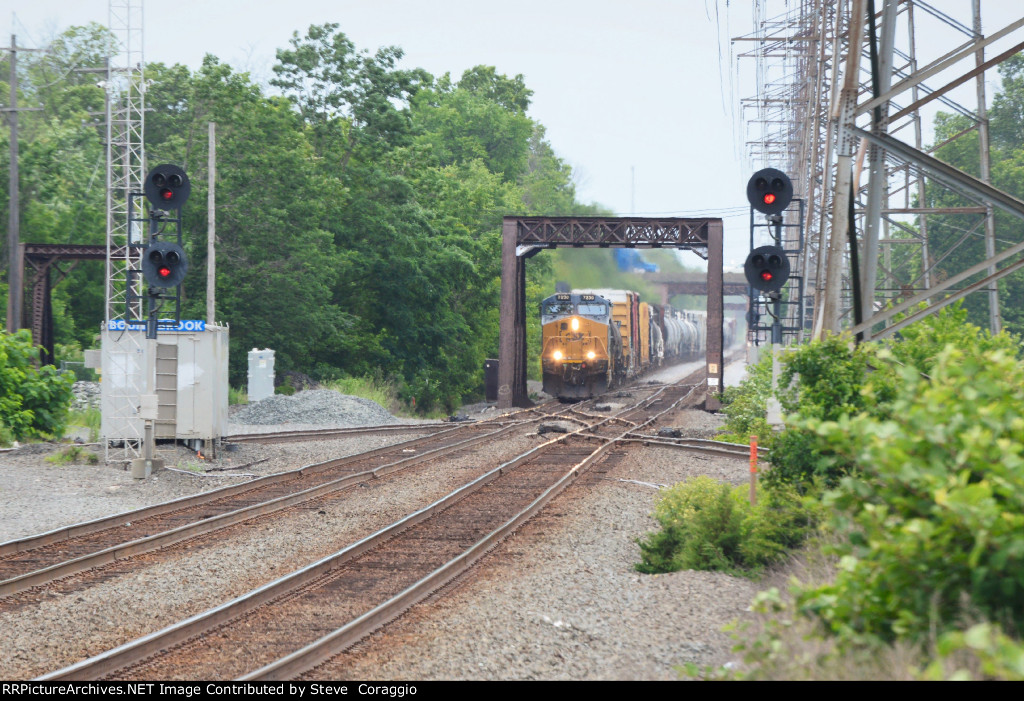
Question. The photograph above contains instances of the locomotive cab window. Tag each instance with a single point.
(558, 308)
(592, 309)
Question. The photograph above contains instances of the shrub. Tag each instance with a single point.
(919, 345)
(824, 380)
(33, 401)
(707, 525)
(936, 517)
(982, 651)
(744, 405)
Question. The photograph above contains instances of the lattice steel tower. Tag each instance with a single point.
(123, 359)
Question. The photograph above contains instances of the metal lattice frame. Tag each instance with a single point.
(815, 119)
(125, 87)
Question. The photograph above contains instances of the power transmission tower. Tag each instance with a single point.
(841, 88)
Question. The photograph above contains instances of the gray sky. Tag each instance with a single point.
(641, 98)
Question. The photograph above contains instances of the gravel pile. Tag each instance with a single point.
(316, 406)
(86, 395)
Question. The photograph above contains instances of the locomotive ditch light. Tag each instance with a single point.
(557, 355)
(591, 355)
(769, 191)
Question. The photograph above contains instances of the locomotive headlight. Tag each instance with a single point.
(557, 355)
(575, 324)
(591, 355)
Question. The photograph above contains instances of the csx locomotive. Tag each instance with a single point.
(596, 339)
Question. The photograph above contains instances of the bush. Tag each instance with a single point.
(34, 402)
(744, 405)
(707, 525)
(982, 651)
(936, 517)
(919, 345)
(824, 380)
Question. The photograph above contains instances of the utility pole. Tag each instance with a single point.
(14, 264)
(14, 285)
(211, 231)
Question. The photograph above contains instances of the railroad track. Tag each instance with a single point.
(288, 626)
(61, 553)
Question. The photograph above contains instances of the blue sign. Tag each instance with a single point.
(162, 325)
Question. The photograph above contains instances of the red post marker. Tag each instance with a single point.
(753, 469)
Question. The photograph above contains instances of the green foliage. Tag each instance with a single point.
(707, 525)
(237, 395)
(34, 401)
(744, 406)
(90, 419)
(936, 515)
(361, 238)
(824, 380)
(374, 388)
(981, 652)
(74, 455)
(920, 344)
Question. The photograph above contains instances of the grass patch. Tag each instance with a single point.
(376, 390)
(91, 419)
(74, 455)
(237, 395)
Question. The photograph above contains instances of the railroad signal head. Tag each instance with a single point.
(164, 264)
(767, 268)
(167, 187)
(769, 191)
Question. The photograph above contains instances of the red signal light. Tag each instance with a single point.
(766, 275)
(769, 198)
(167, 194)
(164, 272)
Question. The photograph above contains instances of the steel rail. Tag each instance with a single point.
(202, 526)
(699, 445)
(322, 433)
(334, 643)
(136, 651)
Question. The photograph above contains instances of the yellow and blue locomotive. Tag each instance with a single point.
(581, 353)
(595, 339)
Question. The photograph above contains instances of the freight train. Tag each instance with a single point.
(597, 339)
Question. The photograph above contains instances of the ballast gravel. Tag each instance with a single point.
(315, 406)
(558, 600)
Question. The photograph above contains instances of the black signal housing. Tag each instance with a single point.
(767, 268)
(769, 191)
